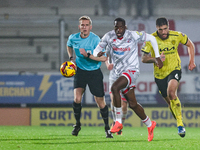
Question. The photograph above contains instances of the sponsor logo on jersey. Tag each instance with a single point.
(119, 53)
(173, 42)
(121, 49)
(166, 49)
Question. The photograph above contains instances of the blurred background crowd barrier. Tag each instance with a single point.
(33, 36)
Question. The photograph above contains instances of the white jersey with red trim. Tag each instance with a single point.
(123, 52)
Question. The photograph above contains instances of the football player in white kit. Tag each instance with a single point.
(124, 103)
(123, 50)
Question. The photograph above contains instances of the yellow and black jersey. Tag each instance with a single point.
(170, 49)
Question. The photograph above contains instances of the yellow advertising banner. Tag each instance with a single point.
(91, 117)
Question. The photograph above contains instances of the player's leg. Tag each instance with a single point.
(119, 84)
(124, 110)
(174, 101)
(78, 92)
(95, 84)
(112, 79)
(162, 86)
(124, 113)
(168, 102)
(176, 106)
(103, 109)
(173, 83)
(79, 89)
(112, 110)
(104, 114)
(134, 105)
(138, 109)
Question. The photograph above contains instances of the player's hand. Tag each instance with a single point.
(162, 56)
(83, 52)
(73, 61)
(191, 66)
(100, 54)
(159, 62)
(110, 66)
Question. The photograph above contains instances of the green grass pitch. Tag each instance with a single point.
(93, 138)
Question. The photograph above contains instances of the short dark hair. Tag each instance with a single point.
(121, 20)
(161, 21)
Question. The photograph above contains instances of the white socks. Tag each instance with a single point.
(113, 111)
(147, 121)
(118, 114)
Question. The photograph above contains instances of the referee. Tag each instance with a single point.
(88, 72)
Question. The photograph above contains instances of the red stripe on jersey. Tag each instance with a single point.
(118, 113)
(126, 74)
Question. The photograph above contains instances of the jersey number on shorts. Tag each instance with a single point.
(176, 76)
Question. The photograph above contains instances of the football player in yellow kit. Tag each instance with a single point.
(167, 78)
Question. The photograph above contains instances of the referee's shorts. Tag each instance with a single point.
(94, 80)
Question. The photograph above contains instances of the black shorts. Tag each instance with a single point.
(163, 83)
(94, 80)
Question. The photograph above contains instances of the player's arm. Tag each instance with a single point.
(146, 58)
(88, 55)
(101, 58)
(109, 63)
(191, 51)
(70, 53)
(96, 53)
(154, 44)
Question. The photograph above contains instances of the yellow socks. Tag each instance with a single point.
(172, 113)
(176, 108)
